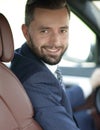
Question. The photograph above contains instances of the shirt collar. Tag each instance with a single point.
(52, 68)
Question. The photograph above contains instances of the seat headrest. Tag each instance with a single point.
(6, 40)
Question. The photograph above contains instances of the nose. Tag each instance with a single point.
(55, 39)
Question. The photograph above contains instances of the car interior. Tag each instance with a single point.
(16, 112)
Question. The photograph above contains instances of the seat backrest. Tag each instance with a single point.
(16, 112)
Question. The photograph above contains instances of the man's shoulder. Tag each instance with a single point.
(24, 65)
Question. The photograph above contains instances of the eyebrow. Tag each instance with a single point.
(46, 27)
(65, 27)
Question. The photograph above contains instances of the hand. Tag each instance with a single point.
(95, 79)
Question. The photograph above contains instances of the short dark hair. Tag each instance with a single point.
(47, 4)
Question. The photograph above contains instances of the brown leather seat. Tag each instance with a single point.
(16, 112)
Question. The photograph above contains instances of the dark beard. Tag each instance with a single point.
(47, 60)
(44, 58)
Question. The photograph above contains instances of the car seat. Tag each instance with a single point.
(16, 112)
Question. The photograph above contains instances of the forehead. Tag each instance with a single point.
(50, 11)
(50, 15)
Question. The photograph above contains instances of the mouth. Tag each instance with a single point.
(52, 51)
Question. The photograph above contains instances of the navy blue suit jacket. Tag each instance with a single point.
(51, 103)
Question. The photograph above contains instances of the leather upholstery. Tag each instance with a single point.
(16, 112)
(6, 40)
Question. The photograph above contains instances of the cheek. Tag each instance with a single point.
(65, 40)
(38, 42)
(41, 41)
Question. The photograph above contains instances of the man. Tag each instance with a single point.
(46, 30)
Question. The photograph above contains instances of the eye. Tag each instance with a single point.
(44, 31)
(63, 30)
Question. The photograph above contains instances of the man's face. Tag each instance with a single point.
(47, 34)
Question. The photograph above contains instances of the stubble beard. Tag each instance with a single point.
(51, 60)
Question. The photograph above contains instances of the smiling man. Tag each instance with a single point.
(46, 30)
(47, 34)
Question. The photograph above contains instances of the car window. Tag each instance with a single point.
(97, 4)
(14, 12)
(82, 43)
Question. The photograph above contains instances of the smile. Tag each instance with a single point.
(53, 50)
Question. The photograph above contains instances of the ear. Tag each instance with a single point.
(25, 32)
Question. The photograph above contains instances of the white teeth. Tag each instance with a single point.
(52, 50)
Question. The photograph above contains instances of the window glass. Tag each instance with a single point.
(82, 42)
(97, 4)
(14, 12)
